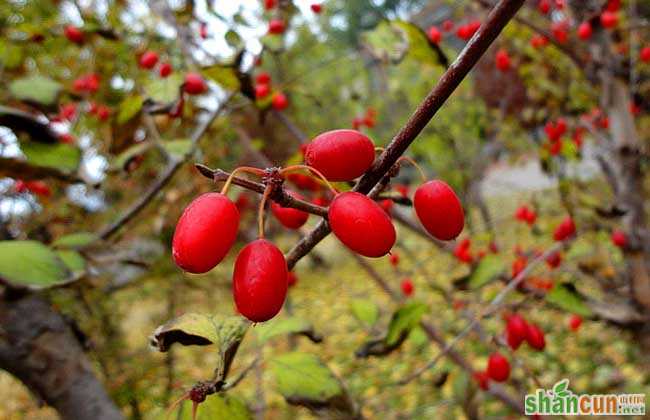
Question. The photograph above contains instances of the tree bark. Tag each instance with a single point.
(40, 349)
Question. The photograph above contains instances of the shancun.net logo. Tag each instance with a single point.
(562, 401)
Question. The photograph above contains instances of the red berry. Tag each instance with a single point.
(554, 260)
(39, 188)
(535, 337)
(613, 5)
(439, 210)
(463, 32)
(538, 41)
(608, 19)
(316, 8)
(165, 70)
(148, 60)
(269, 4)
(574, 322)
(205, 233)
(203, 30)
(619, 238)
(260, 280)
(645, 54)
(434, 35)
(387, 205)
(394, 259)
(493, 247)
(502, 60)
(544, 6)
(276, 26)
(262, 91)
(447, 25)
(482, 379)
(498, 368)
(243, 202)
(340, 155)
(263, 78)
(304, 182)
(292, 279)
(68, 111)
(559, 30)
(194, 84)
(584, 30)
(66, 138)
(103, 112)
(565, 229)
(289, 217)
(361, 224)
(20, 186)
(279, 101)
(74, 34)
(516, 331)
(407, 287)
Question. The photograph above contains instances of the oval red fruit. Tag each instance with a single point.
(564, 230)
(361, 224)
(340, 155)
(279, 101)
(165, 70)
(434, 35)
(516, 331)
(407, 287)
(74, 34)
(263, 78)
(482, 379)
(535, 337)
(394, 259)
(288, 216)
(498, 368)
(439, 210)
(608, 19)
(205, 233)
(584, 31)
(574, 322)
(261, 91)
(316, 8)
(502, 60)
(260, 280)
(619, 238)
(276, 27)
(148, 60)
(194, 84)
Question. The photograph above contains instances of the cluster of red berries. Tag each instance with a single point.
(526, 214)
(86, 84)
(39, 188)
(368, 119)
(208, 227)
(279, 100)
(148, 61)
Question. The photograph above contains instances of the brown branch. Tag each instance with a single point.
(21, 169)
(166, 176)
(279, 195)
(453, 76)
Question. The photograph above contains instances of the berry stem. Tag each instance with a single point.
(315, 171)
(248, 169)
(260, 212)
(412, 162)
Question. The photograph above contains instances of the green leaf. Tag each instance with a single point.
(233, 39)
(11, 56)
(303, 379)
(178, 148)
(386, 41)
(419, 47)
(226, 332)
(560, 389)
(129, 108)
(284, 326)
(39, 89)
(31, 264)
(218, 406)
(490, 267)
(404, 320)
(566, 299)
(72, 260)
(365, 310)
(224, 75)
(273, 42)
(164, 90)
(74, 240)
(61, 156)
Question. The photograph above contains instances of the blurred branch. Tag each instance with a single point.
(21, 169)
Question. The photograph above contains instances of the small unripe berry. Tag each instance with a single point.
(340, 155)
(439, 210)
(260, 280)
(361, 224)
(205, 232)
(498, 368)
(148, 60)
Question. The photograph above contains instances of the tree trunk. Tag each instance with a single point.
(40, 349)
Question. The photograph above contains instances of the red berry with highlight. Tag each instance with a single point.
(535, 337)
(584, 31)
(498, 368)
(148, 60)
(340, 155)
(74, 34)
(279, 101)
(165, 70)
(194, 84)
(619, 238)
(289, 217)
(276, 27)
(361, 224)
(260, 280)
(407, 287)
(439, 210)
(575, 322)
(205, 233)
(516, 331)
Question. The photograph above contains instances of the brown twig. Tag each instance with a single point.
(475, 48)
